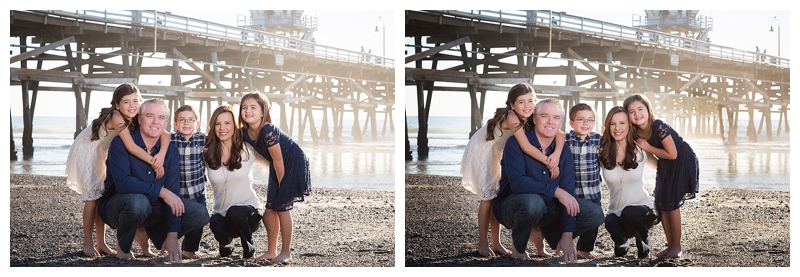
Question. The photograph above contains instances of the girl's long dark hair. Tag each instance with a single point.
(608, 147)
(501, 113)
(213, 148)
(106, 113)
(262, 101)
(651, 115)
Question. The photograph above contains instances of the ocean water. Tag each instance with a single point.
(763, 165)
(369, 165)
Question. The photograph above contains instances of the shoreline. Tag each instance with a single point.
(441, 230)
(46, 230)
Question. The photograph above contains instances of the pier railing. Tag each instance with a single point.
(169, 21)
(562, 21)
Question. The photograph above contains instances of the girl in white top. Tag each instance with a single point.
(630, 208)
(236, 205)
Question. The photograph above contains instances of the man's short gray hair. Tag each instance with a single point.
(155, 101)
(548, 101)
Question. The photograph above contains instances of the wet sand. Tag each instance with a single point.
(721, 228)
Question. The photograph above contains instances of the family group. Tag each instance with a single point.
(545, 185)
(150, 185)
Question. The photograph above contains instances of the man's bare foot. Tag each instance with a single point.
(586, 255)
(90, 251)
(520, 256)
(500, 249)
(485, 251)
(123, 255)
(283, 258)
(664, 252)
(267, 256)
(191, 255)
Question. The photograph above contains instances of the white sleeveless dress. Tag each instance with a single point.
(86, 163)
(480, 165)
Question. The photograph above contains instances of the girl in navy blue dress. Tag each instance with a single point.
(289, 174)
(677, 175)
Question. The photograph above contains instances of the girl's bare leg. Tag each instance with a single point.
(272, 224)
(143, 240)
(538, 240)
(497, 247)
(89, 211)
(675, 232)
(484, 210)
(285, 256)
(666, 221)
(100, 231)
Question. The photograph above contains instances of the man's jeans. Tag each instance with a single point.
(136, 211)
(522, 212)
(191, 242)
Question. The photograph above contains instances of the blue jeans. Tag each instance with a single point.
(522, 212)
(126, 212)
(586, 240)
(191, 242)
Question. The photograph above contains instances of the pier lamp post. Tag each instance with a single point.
(779, 33)
(384, 33)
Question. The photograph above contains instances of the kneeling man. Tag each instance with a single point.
(133, 196)
(529, 198)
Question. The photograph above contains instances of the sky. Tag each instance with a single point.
(346, 29)
(740, 29)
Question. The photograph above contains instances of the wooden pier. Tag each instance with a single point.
(692, 83)
(95, 51)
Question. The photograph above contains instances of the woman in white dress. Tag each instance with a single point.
(229, 161)
(630, 208)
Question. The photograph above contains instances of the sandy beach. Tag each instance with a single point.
(332, 228)
(721, 228)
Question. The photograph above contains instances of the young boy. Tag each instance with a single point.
(584, 144)
(190, 145)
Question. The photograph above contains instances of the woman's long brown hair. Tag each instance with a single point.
(608, 146)
(213, 148)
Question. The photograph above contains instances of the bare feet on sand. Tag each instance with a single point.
(124, 256)
(586, 255)
(499, 249)
(191, 255)
(90, 251)
(283, 258)
(484, 250)
(674, 253)
(105, 250)
(519, 256)
(142, 239)
(267, 256)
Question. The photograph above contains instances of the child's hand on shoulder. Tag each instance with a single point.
(552, 165)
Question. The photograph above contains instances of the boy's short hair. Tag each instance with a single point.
(580, 107)
(186, 108)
